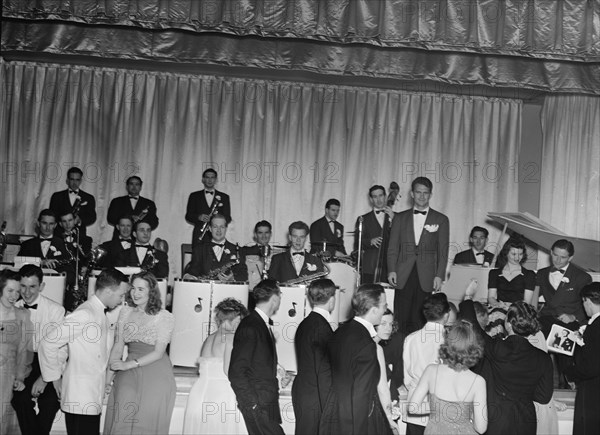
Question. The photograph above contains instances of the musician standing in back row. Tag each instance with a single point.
(375, 233)
(216, 255)
(296, 262)
(327, 232)
(139, 208)
(417, 255)
(201, 203)
(74, 199)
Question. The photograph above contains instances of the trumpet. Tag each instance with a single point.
(213, 211)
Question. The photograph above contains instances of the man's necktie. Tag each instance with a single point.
(210, 192)
(555, 269)
(298, 253)
(378, 211)
(479, 253)
(419, 212)
(31, 307)
(220, 245)
(73, 192)
(143, 246)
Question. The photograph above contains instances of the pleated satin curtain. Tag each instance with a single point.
(282, 149)
(570, 181)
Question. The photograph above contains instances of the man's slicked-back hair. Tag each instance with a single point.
(423, 181)
(29, 270)
(565, 244)
(265, 289)
(366, 297)
(110, 278)
(320, 291)
(435, 306)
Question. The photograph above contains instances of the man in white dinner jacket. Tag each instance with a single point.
(85, 335)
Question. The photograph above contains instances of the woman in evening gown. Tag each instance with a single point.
(509, 282)
(143, 393)
(457, 396)
(212, 406)
(15, 358)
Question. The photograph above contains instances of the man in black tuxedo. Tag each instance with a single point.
(477, 254)
(75, 199)
(142, 254)
(375, 237)
(353, 405)
(253, 366)
(49, 248)
(115, 247)
(561, 285)
(134, 205)
(313, 381)
(207, 257)
(417, 256)
(585, 367)
(201, 202)
(328, 229)
(295, 262)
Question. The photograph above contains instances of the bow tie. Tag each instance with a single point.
(142, 246)
(134, 197)
(106, 310)
(209, 192)
(217, 244)
(31, 307)
(76, 192)
(555, 269)
(45, 239)
(379, 211)
(479, 253)
(122, 239)
(270, 322)
(298, 253)
(419, 212)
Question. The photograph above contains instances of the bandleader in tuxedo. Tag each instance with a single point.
(74, 198)
(375, 236)
(43, 312)
(115, 247)
(417, 255)
(295, 262)
(253, 366)
(477, 253)
(143, 254)
(139, 208)
(585, 367)
(328, 229)
(80, 383)
(313, 381)
(46, 246)
(207, 257)
(200, 203)
(353, 405)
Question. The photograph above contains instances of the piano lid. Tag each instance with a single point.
(587, 251)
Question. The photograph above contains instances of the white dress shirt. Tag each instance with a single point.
(47, 313)
(556, 277)
(419, 223)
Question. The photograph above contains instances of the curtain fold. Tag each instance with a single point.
(548, 29)
(281, 149)
(570, 182)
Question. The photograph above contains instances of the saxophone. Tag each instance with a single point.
(304, 279)
(226, 268)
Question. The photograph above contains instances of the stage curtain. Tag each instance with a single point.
(281, 149)
(570, 182)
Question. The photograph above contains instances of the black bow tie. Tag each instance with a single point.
(217, 244)
(379, 211)
(298, 253)
(134, 197)
(45, 239)
(419, 212)
(122, 239)
(106, 310)
(270, 322)
(555, 269)
(479, 253)
(76, 192)
(31, 307)
(209, 192)
(142, 246)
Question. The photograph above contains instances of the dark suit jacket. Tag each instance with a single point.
(468, 257)
(320, 231)
(313, 381)
(253, 366)
(355, 374)
(371, 229)
(282, 266)
(585, 371)
(129, 258)
(121, 206)
(204, 260)
(197, 205)
(57, 251)
(60, 203)
(566, 298)
(114, 251)
(430, 256)
(516, 374)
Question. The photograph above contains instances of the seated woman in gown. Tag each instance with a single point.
(143, 393)
(509, 282)
(457, 396)
(212, 406)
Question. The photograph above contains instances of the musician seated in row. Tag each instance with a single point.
(142, 254)
(295, 263)
(477, 254)
(132, 204)
(116, 247)
(46, 246)
(263, 231)
(72, 237)
(218, 259)
(326, 233)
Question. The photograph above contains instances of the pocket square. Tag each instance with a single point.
(432, 228)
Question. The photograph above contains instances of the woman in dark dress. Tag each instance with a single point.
(509, 282)
(516, 372)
